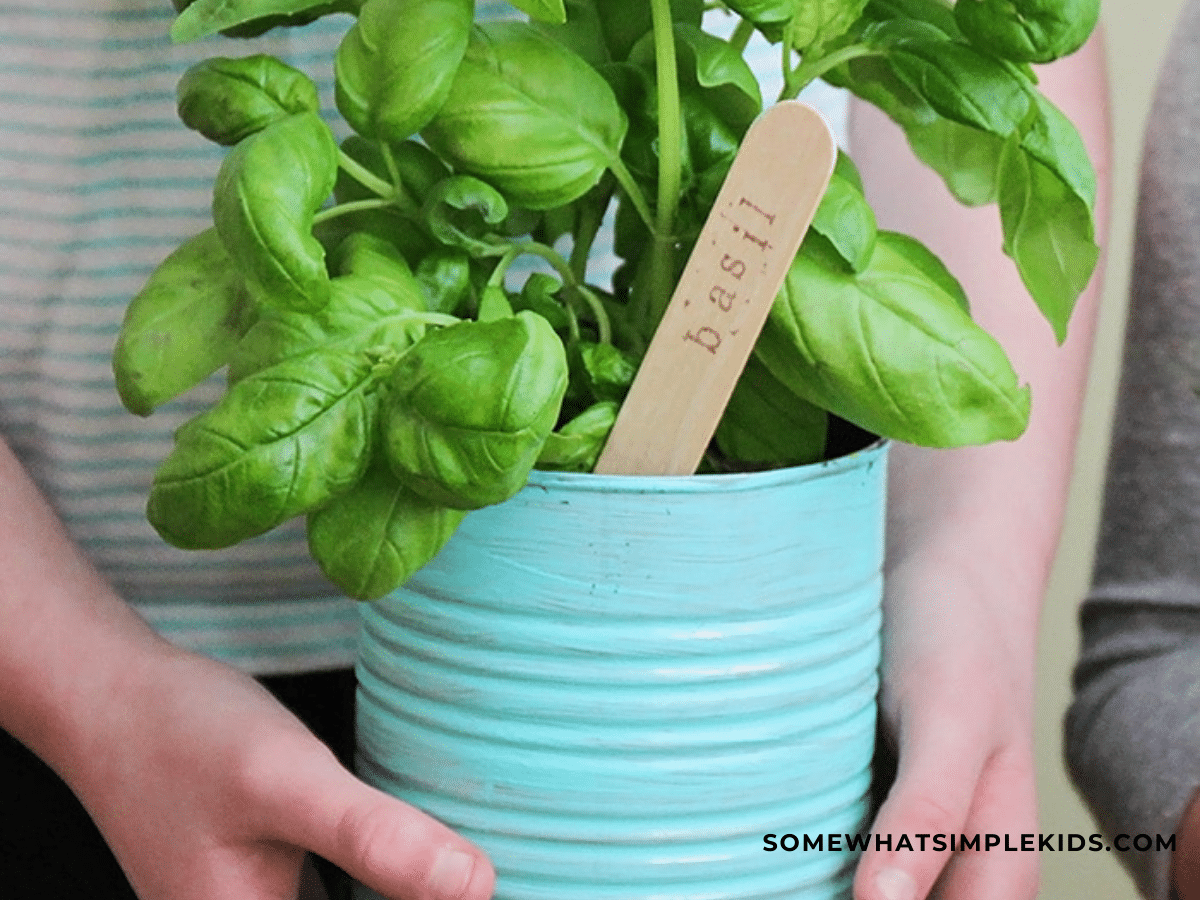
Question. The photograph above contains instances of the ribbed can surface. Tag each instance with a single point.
(617, 685)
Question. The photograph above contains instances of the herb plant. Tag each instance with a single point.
(386, 374)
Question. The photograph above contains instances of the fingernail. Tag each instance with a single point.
(895, 884)
(451, 873)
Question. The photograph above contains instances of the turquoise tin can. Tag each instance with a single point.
(617, 686)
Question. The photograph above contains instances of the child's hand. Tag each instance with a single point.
(207, 788)
(956, 702)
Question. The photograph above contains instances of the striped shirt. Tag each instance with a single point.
(99, 181)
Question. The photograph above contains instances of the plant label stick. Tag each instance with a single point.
(724, 295)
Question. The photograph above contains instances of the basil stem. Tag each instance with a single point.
(670, 164)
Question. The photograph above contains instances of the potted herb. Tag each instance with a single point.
(391, 367)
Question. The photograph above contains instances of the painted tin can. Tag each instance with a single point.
(617, 686)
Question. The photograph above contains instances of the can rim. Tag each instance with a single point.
(865, 458)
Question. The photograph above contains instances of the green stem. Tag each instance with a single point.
(393, 193)
(365, 176)
(389, 160)
(428, 318)
(809, 71)
(741, 35)
(563, 268)
(496, 279)
(633, 191)
(603, 325)
(660, 281)
(352, 206)
(591, 215)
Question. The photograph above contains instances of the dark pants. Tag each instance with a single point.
(51, 850)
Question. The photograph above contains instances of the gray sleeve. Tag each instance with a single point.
(1133, 731)
(1150, 529)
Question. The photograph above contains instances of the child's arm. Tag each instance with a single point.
(203, 784)
(972, 536)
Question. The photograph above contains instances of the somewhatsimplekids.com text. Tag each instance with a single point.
(956, 843)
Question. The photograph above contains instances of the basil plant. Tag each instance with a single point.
(389, 369)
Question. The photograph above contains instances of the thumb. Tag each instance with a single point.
(932, 795)
(386, 844)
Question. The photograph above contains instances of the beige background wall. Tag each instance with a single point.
(1136, 32)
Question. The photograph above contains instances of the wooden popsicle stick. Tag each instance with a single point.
(724, 295)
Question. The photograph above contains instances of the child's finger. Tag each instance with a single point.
(390, 846)
(933, 793)
(953, 780)
(1005, 806)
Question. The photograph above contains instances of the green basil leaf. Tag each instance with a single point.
(844, 167)
(371, 539)
(846, 220)
(528, 116)
(469, 407)
(930, 265)
(395, 65)
(766, 424)
(228, 99)
(182, 326)
(762, 12)
(576, 446)
(540, 295)
(557, 222)
(1036, 31)
(634, 89)
(938, 13)
(280, 442)
(582, 32)
(966, 158)
(729, 85)
(872, 78)
(604, 371)
(493, 304)
(369, 255)
(710, 146)
(419, 167)
(462, 212)
(1029, 157)
(267, 192)
(710, 67)
(801, 23)
(625, 22)
(892, 352)
(551, 11)
(945, 79)
(1054, 142)
(247, 18)
(962, 84)
(364, 313)
(709, 143)
(445, 280)
(1049, 233)
(817, 24)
